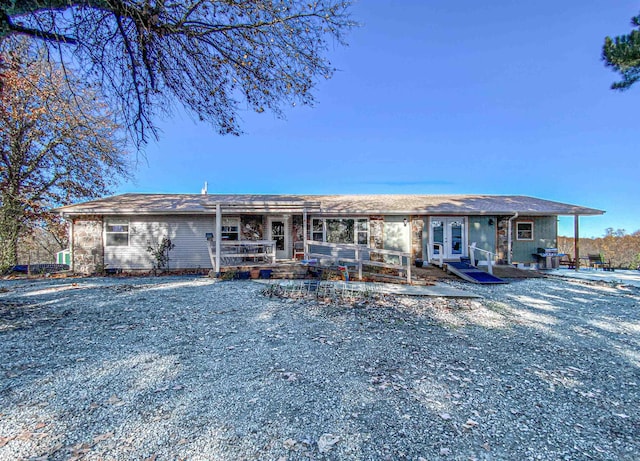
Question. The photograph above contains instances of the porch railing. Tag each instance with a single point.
(440, 256)
(489, 256)
(358, 255)
(242, 252)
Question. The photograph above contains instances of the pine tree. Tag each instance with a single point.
(622, 53)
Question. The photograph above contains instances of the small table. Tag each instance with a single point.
(584, 262)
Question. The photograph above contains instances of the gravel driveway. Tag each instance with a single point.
(188, 368)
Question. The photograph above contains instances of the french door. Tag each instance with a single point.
(451, 234)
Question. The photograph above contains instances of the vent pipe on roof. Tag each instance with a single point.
(204, 189)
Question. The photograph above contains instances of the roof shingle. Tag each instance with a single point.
(329, 204)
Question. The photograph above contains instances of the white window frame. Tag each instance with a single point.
(318, 233)
(227, 225)
(518, 231)
(356, 231)
(116, 223)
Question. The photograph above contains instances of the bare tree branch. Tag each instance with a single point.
(211, 56)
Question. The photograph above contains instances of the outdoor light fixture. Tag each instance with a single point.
(405, 222)
(491, 221)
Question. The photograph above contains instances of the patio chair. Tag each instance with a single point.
(598, 261)
(298, 249)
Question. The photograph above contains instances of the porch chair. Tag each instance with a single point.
(298, 250)
(598, 260)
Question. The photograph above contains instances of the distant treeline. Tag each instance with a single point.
(621, 248)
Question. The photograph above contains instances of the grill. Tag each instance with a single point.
(544, 252)
(548, 258)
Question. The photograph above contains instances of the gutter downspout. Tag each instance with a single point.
(509, 237)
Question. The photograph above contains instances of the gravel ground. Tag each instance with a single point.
(189, 368)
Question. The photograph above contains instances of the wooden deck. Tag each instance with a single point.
(428, 274)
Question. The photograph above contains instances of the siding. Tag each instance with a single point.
(482, 233)
(186, 232)
(545, 235)
(397, 234)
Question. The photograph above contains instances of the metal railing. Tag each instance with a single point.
(489, 256)
(440, 255)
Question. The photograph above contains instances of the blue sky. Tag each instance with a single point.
(439, 97)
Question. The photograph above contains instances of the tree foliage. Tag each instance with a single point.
(43, 241)
(616, 245)
(57, 146)
(622, 53)
(160, 253)
(208, 55)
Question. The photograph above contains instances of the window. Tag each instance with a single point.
(317, 230)
(340, 230)
(230, 229)
(362, 232)
(524, 230)
(117, 233)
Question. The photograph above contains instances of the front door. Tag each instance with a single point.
(278, 232)
(451, 234)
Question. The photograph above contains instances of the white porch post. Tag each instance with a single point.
(304, 231)
(426, 247)
(410, 238)
(576, 241)
(410, 250)
(288, 245)
(218, 236)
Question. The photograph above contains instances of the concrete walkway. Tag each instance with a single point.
(624, 277)
(437, 290)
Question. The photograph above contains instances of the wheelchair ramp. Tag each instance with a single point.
(472, 274)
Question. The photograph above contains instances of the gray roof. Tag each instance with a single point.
(327, 204)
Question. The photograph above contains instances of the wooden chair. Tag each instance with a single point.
(598, 260)
(298, 249)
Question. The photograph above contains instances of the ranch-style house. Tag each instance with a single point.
(211, 230)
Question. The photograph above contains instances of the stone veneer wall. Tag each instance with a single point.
(376, 232)
(502, 244)
(417, 226)
(251, 227)
(88, 250)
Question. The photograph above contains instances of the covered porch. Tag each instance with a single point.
(258, 234)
